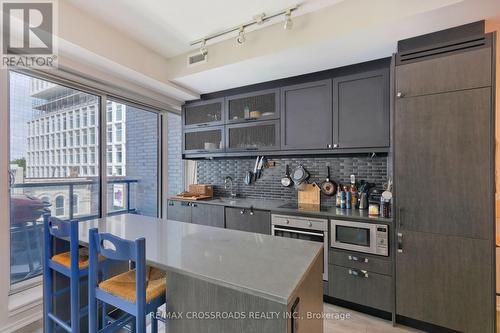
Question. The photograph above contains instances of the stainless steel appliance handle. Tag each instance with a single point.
(400, 242)
(358, 272)
(300, 232)
(358, 259)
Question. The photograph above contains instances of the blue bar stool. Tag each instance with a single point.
(136, 292)
(72, 264)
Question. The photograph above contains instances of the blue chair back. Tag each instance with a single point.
(67, 230)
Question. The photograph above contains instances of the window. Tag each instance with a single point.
(77, 138)
(92, 155)
(84, 156)
(84, 137)
(119, 133)
(75, 204)
(92, 116)
(77, 119)
(109, 113)
(110, 154)
(59, 205)
(70, 120)
(70, 139)
(84, 118)
(109, 133)
(118, 171)
(118, 153)
(92, 136)
(118, 113)
(77, 156)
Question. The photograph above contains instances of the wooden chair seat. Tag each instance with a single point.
(123, 285)
(83, 258)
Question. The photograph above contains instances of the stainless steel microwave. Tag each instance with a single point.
(359, 236)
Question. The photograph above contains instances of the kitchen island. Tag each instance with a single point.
(221, 280)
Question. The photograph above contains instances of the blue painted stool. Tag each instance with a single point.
(68, 264)
(137, 292)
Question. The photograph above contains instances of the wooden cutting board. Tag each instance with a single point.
(309, 194)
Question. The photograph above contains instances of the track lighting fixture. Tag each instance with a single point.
(241, 36)
(256, 20)
(203, 48)
(288, 20)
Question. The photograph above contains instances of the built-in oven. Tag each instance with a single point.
(364, 237)
(311, 229)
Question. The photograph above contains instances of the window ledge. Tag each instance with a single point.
(25, 300)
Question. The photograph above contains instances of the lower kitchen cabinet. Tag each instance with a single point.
(195, 212)
(206, 214)
(179, 211)
(360, 278)
(361, 287)
(446, 281)
(251, 220)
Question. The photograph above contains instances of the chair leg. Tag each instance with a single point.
(48, 324)
(140, 323)
(92, 311)
(75, 304)
(154, 322)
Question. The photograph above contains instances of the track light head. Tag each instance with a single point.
(203, 48)
(241, 36)
(288, 20)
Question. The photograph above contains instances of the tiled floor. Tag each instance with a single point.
(340, 320)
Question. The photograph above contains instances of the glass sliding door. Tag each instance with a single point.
(54, 164)
(175, 163)
(132, 156)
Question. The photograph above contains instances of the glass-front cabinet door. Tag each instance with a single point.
(261, 105)
(202, 114)
(262, 135)
(203, 140)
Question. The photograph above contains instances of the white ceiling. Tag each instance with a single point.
(167, 26)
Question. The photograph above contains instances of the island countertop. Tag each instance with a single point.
(262, 265)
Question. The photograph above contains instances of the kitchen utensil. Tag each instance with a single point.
(286, 181)
(309, 194)
(363, 201)
(255, 167)
(255, 114)
(248, 177)
(202, 189)
(259, 168)
(210, 146)
(299, 175)
(328, 187)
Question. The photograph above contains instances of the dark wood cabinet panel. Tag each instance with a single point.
(446, 281)
(361, 287)
(371, 263)
(306, 116)
(361, 111)
(260, 105)
(203, 113)
(207, 214)
(465, 70)
(179, 211)
(442, 163)
(257, 221)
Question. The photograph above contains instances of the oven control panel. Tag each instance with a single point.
(382, 240)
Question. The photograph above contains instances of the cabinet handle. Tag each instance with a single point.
(400, 242)
(170, 203)
(399, 94)
(202, 125)
(335, 145)
(242, 212)
(329, 146)
(254, 148)
(251, 212)
(358, 272)
(358, 259)
(201, 151)
(194, 205)
(400, 217)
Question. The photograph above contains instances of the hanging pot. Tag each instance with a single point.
(286, 181)
(299, 175)
(328, 187)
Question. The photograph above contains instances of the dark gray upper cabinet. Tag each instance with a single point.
(464, 70)
(251, 220)
(207, 214)
(203, 113)
(361, 110)
(203, 140)
(260, 105)
(255, 136)
(306, 116)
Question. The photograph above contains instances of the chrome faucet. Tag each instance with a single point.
(228, 186)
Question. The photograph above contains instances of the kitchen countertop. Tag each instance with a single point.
(274, 206)
(262, 265)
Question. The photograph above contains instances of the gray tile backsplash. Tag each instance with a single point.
(213, 172)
